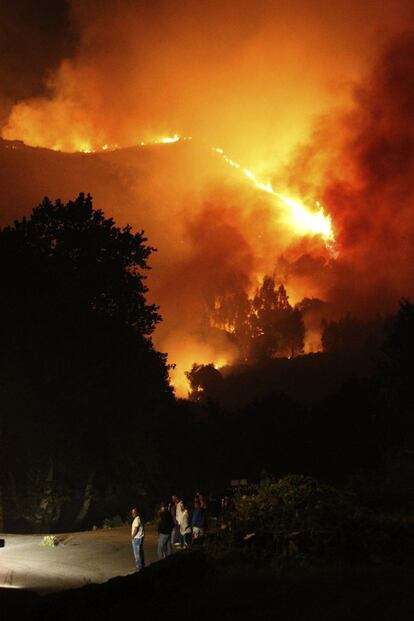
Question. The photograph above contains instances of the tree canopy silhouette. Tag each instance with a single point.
(263, 327)
(399, 341)
(78, 370)
(71, 256)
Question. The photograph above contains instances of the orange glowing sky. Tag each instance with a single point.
(247, 76)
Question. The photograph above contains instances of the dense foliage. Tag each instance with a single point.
(88, 421)
(291, 503)
(297, 520)
(80, 380)
(262, 326)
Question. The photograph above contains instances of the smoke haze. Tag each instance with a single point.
(243, 75)
(362, 163)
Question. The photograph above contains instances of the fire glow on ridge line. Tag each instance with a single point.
(301, 219)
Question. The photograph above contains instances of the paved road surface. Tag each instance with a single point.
(79, 559)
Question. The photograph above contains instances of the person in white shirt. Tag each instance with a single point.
(180, 510)
(185, 528)
(137, 537)
(178, 516)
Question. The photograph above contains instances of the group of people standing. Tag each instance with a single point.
(176, 527)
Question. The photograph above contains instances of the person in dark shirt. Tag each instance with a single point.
(175, 537)
(198, 520)
(165, 528)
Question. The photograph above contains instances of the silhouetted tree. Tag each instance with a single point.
(264, 326)
(80, 378)
(276, 327)
(350, 334)
(231, 313)
(399, 342)
(205, 382)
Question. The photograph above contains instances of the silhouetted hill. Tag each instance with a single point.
(27, 174)
(307, 379)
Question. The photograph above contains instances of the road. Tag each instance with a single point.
(78, 559)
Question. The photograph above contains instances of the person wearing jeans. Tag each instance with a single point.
(198, 520)
(185, 528)
(137, 537)
(165, 528)
(175, 536)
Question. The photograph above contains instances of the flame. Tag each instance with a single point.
(189, 349)
(220, 363)
(80, 146)
(168, 139)
(300, 218)
(85, 148)
(297, 217)
(162, 140)
(313, 341)
(165, 140)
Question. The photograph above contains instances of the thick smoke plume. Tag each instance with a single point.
(34, 38)
(362, 163)
(247, 76)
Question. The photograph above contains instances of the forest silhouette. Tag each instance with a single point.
(89, 420)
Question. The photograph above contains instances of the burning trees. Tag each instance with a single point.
(264, 326)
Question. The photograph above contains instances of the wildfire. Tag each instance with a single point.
(220, 363)
(83, 147)
(166, 140)
(169, 140)
(301, 219)
(194, 349)
(78, 146)
(296, 216)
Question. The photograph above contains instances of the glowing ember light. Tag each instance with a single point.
(299, 218)
(303, 220)
(84, 147)
(170, 139)
(166, 140)
(306, 221)
(219, 364)
(162, 140)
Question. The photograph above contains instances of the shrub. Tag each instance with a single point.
(112, 522)
(294, 502)
(50, 540)
(297, 520)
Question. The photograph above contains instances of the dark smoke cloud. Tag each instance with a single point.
(365, 172)
(245, 75)
(34, 38)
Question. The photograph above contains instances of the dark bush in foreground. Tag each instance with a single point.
(297, 520)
